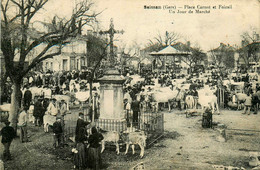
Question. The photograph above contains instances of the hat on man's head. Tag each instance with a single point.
(81, 114)
(7, 123)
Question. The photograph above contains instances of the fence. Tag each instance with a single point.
(151, 123)
(148, 122)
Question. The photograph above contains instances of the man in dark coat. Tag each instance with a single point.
(81, 123)
(8, 134)
(27, 98)
(135, 105)
(94, 149)
(37, 112)
(58, 133)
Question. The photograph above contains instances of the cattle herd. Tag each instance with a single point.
(153, 91)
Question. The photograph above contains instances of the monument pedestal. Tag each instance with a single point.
(112, 115)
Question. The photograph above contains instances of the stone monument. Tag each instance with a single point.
(111, 93)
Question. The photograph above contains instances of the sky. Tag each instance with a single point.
(207, 30)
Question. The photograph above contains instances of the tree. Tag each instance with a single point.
(195, 57)
(160, 41)
(223, 56)
(127, 54)
(168, 39)
(20, 38)
(250, 47)
(97, 51)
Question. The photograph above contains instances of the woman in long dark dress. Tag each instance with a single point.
(94, 149)
(80, 154)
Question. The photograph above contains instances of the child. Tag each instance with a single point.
(8, 134)
(248, 104)
(58, 132)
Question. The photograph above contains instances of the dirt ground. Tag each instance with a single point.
(185, 145)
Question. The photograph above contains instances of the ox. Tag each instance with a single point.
(135, 138)
(240, 98)
(110, 137)
(166, 95)
(127, 138)
(66, 98)
(36, 91)
(190, 102)
(208, 99)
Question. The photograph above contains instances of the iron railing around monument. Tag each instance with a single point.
(149, 122)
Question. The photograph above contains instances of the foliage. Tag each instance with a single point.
(223, 56)
(20, 39)
(95, 49)
(161, 41)
(250, 46)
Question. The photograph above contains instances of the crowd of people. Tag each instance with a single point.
(86, 151)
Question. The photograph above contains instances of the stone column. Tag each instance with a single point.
(111, 101)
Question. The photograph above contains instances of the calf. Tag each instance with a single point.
(110, 137)
(135, 138)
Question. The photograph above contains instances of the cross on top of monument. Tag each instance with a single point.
(111, 33)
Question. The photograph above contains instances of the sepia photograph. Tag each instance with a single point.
(130, 85)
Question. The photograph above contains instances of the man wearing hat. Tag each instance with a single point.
(52, 109)
(63, 108)
(81, 123)
(8, 134)
(37, 112)
(62, 112)
(27, 98)
(58, 132)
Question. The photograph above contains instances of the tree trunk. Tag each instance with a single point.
(15, 104)
(90, 101)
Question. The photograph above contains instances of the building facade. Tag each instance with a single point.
(73, 57)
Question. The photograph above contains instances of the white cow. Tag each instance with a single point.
(66, 98)
(135, 138)
(165, 95)
(190, 102)
(208, 99)
(110, 137)
(36, 91)
(240, 98)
